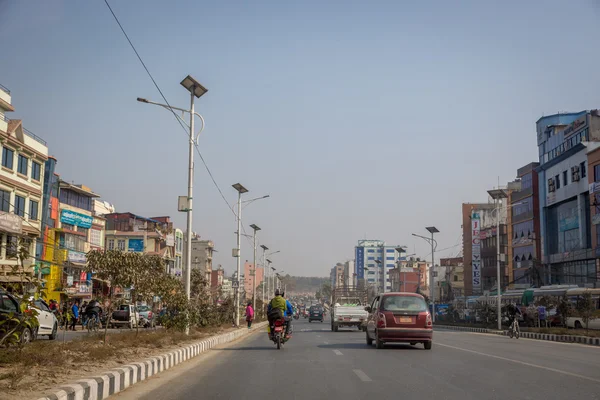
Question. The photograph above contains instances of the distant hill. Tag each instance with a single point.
(308, 284)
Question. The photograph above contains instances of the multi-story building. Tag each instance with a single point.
(130, 232)
(410, 275)
(349, 274)
(77, 228)
(372, 263)
(21, 192)
(474, 217)
(336, 276)
(249, 275)
(525, 251)
(178, 252)
(452, 282)
(566, 240)
(202, 255)
(594, 186)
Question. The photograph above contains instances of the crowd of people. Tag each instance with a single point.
(74, 312)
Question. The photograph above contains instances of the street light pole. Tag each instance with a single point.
(240, 189)
(498, 195)
(432, 241)
(196, 90)
(255, 228)
(264, 249)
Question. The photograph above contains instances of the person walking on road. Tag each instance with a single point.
(249, 314)
(74, 315)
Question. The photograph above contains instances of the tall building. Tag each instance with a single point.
(178, 252)
(202, 255)
(249, 274)
(594, 186)
(410, 276)
(349, 274)
(452, 282)
(21, 191)
(566, 240)
(372, 263)
(525, 252)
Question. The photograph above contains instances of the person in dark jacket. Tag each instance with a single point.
(74, 314)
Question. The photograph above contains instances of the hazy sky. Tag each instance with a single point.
(360, 119)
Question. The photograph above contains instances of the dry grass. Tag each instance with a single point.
(42, 365)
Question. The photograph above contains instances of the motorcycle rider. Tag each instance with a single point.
(513, 312)
(276, 310)
(289, 312)
(93, 310)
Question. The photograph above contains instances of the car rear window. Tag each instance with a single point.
(403, 303)
(143, 308)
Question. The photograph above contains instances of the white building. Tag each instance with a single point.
(373, 261)
(21, 189)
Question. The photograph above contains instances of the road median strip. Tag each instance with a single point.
(118, 379)
(592, 341)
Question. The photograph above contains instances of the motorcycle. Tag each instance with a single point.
(277, 333)
(296, 316)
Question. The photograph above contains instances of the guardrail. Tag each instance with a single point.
(4, 89)
(35, 137)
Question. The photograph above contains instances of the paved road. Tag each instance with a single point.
(320, 364)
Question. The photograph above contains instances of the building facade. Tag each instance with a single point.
(474, 216)
(565, 208)
(202, 255)
(410, 275)
(525, 252)
(372, 263)
(178, 252)
(21, 193)
(249, 275)
(336, 276)
(452, 282)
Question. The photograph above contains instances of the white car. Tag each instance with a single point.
(46, 318)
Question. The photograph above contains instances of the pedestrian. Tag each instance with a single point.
(249, 314)
(74, 314)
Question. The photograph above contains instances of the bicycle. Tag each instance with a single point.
(513, 330)
(93, 324)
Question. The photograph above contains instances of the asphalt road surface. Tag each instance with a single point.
(320, 364)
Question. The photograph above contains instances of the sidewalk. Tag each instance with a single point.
(592, 341)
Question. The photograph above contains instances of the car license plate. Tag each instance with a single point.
(405, 320)
(347, 319)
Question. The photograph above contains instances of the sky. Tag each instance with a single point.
(359, 119)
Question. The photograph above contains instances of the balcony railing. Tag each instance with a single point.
(4, 89)
(35, 137)
(4, 118)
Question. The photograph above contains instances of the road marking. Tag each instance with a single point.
(558, 371)
(361, 375)
(325, 342)
(338, 353)
(318, 335)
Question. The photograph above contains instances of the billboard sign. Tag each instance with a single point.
(11, 223)
(360, 262)
(136, 245)
(476, 251)
(76, 219)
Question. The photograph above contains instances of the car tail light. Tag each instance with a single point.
(428, 322)
(381, 321)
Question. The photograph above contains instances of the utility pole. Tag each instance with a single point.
(240, 189)
(264, 282)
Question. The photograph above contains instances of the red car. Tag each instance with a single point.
(399, 318)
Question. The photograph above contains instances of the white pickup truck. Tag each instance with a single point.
(348, 309)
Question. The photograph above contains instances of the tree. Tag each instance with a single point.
(585, 309)
(564, 309)
(326, 291)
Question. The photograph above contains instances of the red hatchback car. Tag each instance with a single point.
(399, 318)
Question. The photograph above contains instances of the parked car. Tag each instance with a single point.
(125, 315)
(10, 305)
(46, 318)
(399, 318)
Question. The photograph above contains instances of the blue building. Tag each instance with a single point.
(565, 239)
(373, 262)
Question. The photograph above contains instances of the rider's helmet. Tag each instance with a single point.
(277, 292)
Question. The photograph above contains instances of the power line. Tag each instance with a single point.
(169, 106)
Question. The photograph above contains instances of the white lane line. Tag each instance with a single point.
(320, 335)
(558, 371)
(338, 353)
(361, 375)
(325, 342)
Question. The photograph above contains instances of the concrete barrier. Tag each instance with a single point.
(118, 379)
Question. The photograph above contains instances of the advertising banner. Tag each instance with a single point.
(77, 219)
(476, 251)
(136, 245)
(360, 262)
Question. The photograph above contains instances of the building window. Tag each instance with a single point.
(111, 244)
(370, 251)
(389, 250)
(12, 246)
(582, 169)
(370, 258)
(121, 244)
(597, 173)
(33, 210)
(36, 171)
(565, 178)
(4, 200)
(20, 205)
(68, 226)
(75, 199)
(8, 156)
(96, 237)
(23, 164)
(74, 242)
(83, 230)
(390, 258)
(557, 180)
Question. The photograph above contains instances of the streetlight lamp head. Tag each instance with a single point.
(432, 229)
(401, 249)
(498, 194)
(265, 248)
(193, 86)
(142, 100)
(269, 261)
(255, 227)
(240, 188)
